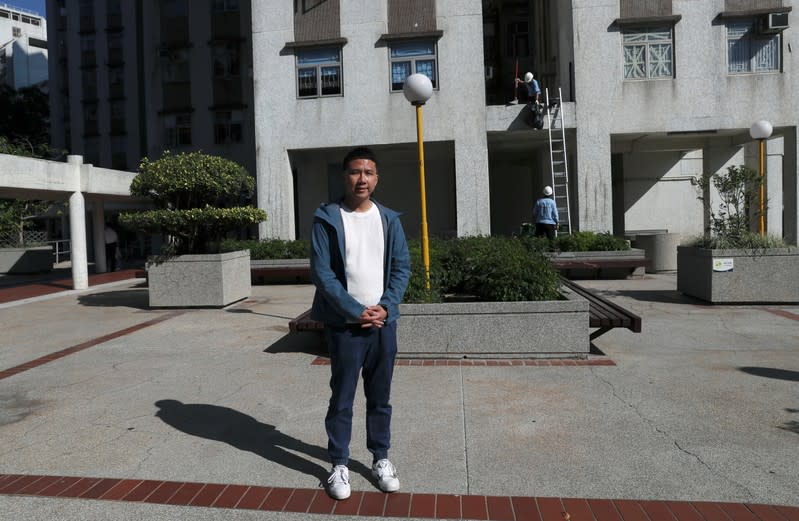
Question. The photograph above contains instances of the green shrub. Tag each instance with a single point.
(491, 269)
(576, 241)
(198, 198)
(270, 248)
(744, 241)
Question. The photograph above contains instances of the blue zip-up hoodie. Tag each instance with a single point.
(332, 304)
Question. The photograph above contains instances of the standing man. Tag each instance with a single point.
(360, 267)
(545, 214)
(111, 239)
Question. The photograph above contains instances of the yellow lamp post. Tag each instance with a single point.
(417, 89)
(761, 130)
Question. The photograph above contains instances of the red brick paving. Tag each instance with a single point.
(38, 289)
(399, 505)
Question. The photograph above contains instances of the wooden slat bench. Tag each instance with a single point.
(604, 314)
(597, 268)
(304, 322)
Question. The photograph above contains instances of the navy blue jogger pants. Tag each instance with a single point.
(371, 352)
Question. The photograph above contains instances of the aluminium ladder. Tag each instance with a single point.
(557, 161)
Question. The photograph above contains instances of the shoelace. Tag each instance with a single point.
(385, 468)
(339, 475)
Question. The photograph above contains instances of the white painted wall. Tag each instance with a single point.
(368, 113)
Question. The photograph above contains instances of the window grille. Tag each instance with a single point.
(749, 51)
(319, 72)
(414, 56)
(648, 53)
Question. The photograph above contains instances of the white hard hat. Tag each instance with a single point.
(528, 77)
(547, 190)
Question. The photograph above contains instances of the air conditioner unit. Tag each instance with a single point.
(775, 22)
(489, 72)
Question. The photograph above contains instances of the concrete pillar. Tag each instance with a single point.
(77, 228)
(775, 150)
(98, 232)
(275, 189)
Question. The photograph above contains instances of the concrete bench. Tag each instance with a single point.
(604, 314)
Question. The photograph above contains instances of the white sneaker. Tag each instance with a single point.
(338, 484)
(386, 475)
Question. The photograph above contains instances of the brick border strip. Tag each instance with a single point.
(85, 345)
(398, 504)
(501, 362)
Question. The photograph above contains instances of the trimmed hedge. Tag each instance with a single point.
(270, 248)
(198, 198)
(576, 241)
(489, 269)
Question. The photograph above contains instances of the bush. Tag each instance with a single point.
(270, 248)
(491, 269)
(744, 241)
(199, 198)
(577, 241)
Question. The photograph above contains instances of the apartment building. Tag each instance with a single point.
(134, 78)
(23, 47)
(655, 94)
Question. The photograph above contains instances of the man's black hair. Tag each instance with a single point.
(358, 153)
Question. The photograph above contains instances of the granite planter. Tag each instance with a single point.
(211, 280)
(496, 329)
(26, 260)
(739, 276)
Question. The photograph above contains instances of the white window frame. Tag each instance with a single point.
(319, 67)
(648, 42)
(412, 62)
(752, 37)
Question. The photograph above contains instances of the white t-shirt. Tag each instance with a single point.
(363, 237)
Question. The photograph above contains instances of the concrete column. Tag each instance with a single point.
(98, 232)
(77, 228)
(276, 195)
(775, 150)
(790, 186)
(594, 210)
(473, 201)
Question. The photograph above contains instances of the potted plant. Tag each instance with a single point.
(490, 296)
(198, 199)
(731, 263)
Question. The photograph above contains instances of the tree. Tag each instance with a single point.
(16, 217)
(198, 197)
(25, 123)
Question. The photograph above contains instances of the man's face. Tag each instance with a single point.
(360, 180)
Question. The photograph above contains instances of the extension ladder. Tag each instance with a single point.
(557, 161)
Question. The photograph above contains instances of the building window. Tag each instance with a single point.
(119, 156)
(227, 127)
(648, 53)
(116, 82)
(408, 57)
(227, 60)
(175, 65)
(749, 51)
(220, 6)
(117, 117)
(518, 40)
(16, 32)
(174, 8)
(319, 72)
(115, 48)
(177, 130)
(90, 119)
(89, 84)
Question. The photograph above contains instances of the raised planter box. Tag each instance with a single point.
(600, 264)
(26, 260)
(212, 280)
(739, 276)
(498, 329)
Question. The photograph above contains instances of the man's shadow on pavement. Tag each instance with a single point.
(244, 432)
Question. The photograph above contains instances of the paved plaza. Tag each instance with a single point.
(111, 410)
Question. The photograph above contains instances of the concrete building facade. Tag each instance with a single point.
(132, 79)
(23, 47)
(655, 95)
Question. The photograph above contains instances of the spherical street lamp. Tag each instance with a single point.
(761, 130)
(418, 89)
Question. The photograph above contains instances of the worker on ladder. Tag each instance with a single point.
(545, 215)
